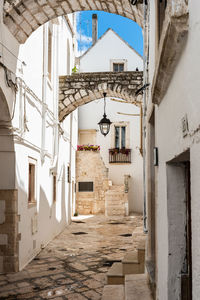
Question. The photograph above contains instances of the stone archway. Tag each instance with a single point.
(83, 88)
(24, 16)
(4, 111)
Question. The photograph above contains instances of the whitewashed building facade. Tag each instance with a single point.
(37, 153)
(172, 122)
(112, 54)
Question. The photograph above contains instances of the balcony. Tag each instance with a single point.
(122, 156)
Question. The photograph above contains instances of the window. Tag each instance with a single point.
(68, 174)
(118, 67)
(120, 137)
(120, 143)
(31, 181)
(54, 188)
(50, 52)
(85, 186)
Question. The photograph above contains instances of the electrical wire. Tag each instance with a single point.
(12, 53)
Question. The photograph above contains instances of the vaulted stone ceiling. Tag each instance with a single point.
(24, 16)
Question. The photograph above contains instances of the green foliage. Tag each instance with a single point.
(74, 70)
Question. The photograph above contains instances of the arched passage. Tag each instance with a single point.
(82, 88)
(24, 16)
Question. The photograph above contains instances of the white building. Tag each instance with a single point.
(37, 173)
(111, 53)
(172, 121)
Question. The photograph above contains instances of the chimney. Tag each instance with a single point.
(94, 28)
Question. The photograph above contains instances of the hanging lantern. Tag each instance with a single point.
(105, 123)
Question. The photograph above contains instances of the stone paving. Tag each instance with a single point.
(73, 266)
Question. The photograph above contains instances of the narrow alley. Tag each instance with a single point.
(74, 265)
(99, 149)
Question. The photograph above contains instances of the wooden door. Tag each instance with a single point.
(186, 278)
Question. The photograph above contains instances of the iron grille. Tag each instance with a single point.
(86, 186)
(120, 156)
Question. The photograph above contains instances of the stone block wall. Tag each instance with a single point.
(116, 201)
(9, 237)
(106, 198)
(90, 167)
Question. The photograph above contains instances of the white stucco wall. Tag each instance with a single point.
(37, 135)
(182, 98)
(110, 47)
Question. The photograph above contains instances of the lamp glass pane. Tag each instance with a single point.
(105, 128)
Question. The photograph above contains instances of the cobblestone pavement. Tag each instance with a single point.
(73, 266)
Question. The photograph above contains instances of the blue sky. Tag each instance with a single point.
(130, 31)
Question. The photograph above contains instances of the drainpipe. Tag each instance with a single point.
(70, 165)
(56, 93)
(144, 116)
(141, 129)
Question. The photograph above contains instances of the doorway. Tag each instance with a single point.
(179, 228)
(186, 278)
(151, 209)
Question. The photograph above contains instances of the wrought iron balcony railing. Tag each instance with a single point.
(120, 155)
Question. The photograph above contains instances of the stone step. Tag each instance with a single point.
(141, 255)
(131, 264)
(116, 206)
(115, 187)
(113, 292)
(142, 243)
(116, 201)
(130, 257)
(115, 213)
(141, 250)
(137, 288)
(115, 194)
(115, 198)
(115, 274)
(111, 203)
(117, 209)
